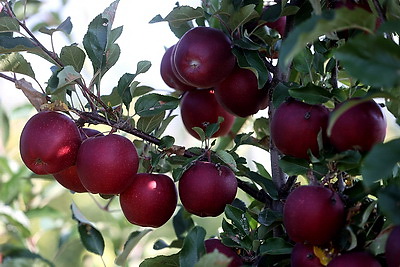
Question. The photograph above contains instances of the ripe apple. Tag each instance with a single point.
(150, 200)
(354, 259)
(107, 164)
(49, 142)
(313, 214)
(213, 244)
(206, 188)
(392, 249)
(68, 177)
(200, 108)
(168, 74)
(279, 25)
(360, 127)
(238, 93)
(295, 128)
(203, 57)
(303, 256)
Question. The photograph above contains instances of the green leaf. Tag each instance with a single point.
(95, 41)
(113, 99)
(166, 142)
(61, 79)
(8, 24)
(275, 246)
(380, 162)
(149, 124)
(164, 125)
(193, 247)
(359, 57)
(182, 223)
(268, 216)
(74, 56)
(238, 218)
(215, 259)
(311, 94)
(15, 62)
(153, 104)
(266, 184)
(228, 159)
(21, 256)
(4, 126)
(179, 15)
(15, 219)
(143, 66)
(200, 132)
(129, 245)
(65, 27)
(389, 203)
(318, 25)
(242, 16)
(170, 261)
(123, 88)
(212, 128)
(294, 166)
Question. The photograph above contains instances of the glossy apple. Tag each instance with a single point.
(150, 200)
(313, 214)
(213, 244)
(296, 126)
(200, 108)
(107, 164)
(206, 188)
(168, 75)
(360, 127)
(392, 249)
(303, 256)
(49, 142)
(203, 57)
(238, 93)
(68, 177)
(354, 259)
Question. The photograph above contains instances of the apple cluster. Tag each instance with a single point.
(202, 66)
(85, 160)
(299, 129)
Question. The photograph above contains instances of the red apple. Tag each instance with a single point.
(107, 164)
(203, 57)
(303, 256)
(49, 142)
(313, 214)
(168, 75)
(150, 200)
(279, 25)
(354, 259)
(213, 244)
(295, 128)
(68, 177)
(360, 127)
(392, 249)
(200, 108)
(239, 94)
(206, 188)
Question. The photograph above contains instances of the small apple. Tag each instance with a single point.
(238, 93)
(168, 74)
(392, 249)
(68, 177)
(216, 244)
(49, 142)
(354, 259)
(360, 127)
(303, 256)
(296, 127)
(107, 164)
(203, 57)
(150, 200)
(206, 188)
(200, 108)
(313, 214)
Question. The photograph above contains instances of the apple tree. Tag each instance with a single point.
(313, 85)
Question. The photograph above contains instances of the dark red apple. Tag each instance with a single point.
(206, 188)
(295, 128)
(168, 75)
(68, 177)
(150, 200)
(213, 244)
(107, 164)
(200, 108)
(360, 127)
(303, 256)
(313, 214)
(239, 94)
(203, 57)
(49, 142)
(354, 259)
(392, 249)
